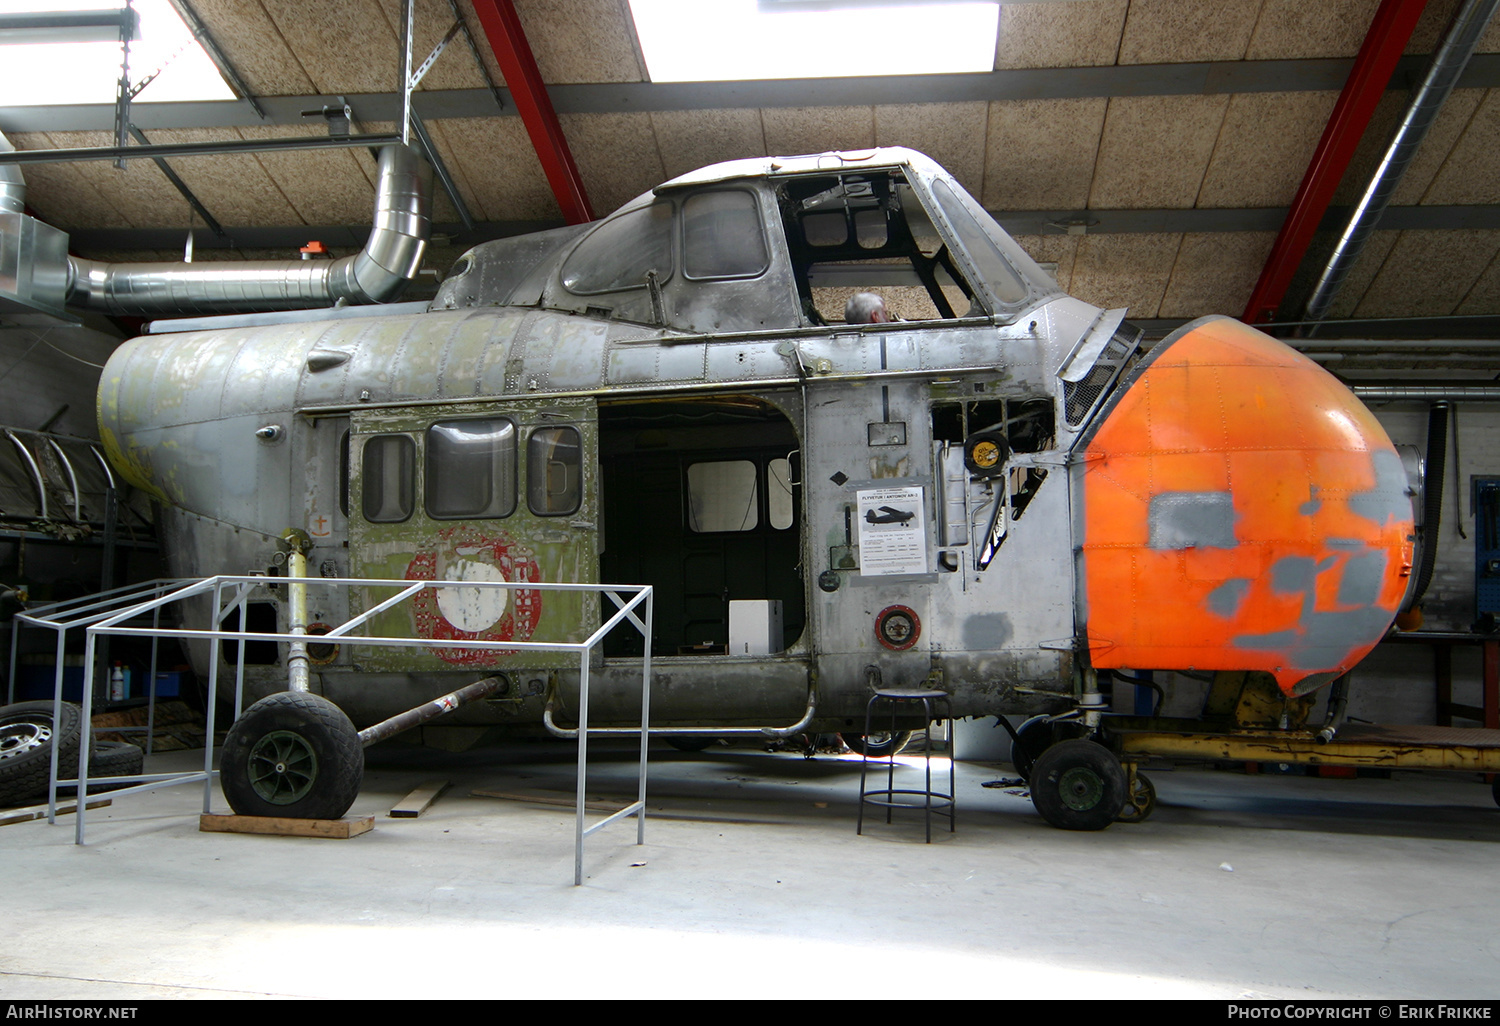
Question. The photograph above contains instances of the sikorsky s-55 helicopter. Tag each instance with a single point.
(999, 495)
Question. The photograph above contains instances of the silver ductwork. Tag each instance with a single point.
(1448, 63)
(12, 184)
(377, 274)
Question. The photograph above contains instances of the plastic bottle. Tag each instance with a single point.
(128, 692)
(117, 684)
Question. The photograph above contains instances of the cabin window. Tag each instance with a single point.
(979, 241)
(344, 473)
(554, 471)
(388, 481)
(723, 496)
(618, 254)
(471, 469)
(722, 236)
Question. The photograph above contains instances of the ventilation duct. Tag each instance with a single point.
(377, 274)
(33, 255)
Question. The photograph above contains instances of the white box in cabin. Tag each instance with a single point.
(754, 626)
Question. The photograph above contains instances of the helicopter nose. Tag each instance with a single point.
(1242, 510)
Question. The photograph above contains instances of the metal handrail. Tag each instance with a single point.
(105, 615)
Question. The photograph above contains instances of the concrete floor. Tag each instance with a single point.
(752, 883)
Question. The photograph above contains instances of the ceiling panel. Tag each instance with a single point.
(1167, 31)
(1357, 281)
(1262, 152)
(950, 133)
(616, 155)
(581, 40)
(1288, 29)
(1428, 272)
(1471, 174)
(1484, 294)
(235, 188)
(253, 42)
(322, 186)
(495, 158)
(1040, 154)
(1125, 270)
(1077, 34)
(67, 196)
(794, 130)
(690, 139)
(1141, 166)
(454, 68)
(345, 47)
(1215, 272)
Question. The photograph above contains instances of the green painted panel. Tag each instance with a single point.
(522, 546)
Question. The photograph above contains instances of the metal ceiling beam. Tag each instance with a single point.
(69, 155)
(1368, 80)
(529, 95)
(1212, 78)
(1020, 222)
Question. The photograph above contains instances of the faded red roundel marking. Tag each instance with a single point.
(514, 562)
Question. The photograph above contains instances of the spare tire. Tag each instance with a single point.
(27, 736)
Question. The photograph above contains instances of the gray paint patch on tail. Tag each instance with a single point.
(1226, 598)
(1389, 499)
(1191, 520)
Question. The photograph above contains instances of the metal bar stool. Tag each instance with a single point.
(889, 796)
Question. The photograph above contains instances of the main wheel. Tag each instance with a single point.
(27, 735)
(1034, 736)
(1078, 785)
(690, 744)
(294, 755)
(878, 745)
(1142, 801)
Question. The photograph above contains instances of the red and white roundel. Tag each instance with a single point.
(462, 553)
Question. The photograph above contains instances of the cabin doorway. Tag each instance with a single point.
(702, 500)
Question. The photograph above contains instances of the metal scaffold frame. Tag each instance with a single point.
(109, 613)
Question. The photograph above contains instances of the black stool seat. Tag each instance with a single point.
(936, 707)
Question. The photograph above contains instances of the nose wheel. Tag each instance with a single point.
(1078, 785)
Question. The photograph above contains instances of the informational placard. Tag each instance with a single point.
(892, 532)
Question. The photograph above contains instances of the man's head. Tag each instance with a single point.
(865, 308)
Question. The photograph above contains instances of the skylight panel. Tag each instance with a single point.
(735, 40)
(37, 74)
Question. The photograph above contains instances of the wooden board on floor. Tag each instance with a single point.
(338, 828)
(416, 803)
(27, 813)
(558, 802)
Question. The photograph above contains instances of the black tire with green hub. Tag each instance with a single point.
(294, 755)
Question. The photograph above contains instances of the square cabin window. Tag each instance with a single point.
(554, 471)
(471, 469)
(723, 496)
(388, 489)
(722, 236)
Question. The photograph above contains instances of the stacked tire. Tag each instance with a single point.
(29, 731)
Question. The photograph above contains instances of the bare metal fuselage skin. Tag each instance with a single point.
(659, 391)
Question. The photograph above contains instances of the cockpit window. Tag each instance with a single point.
(620, 252)
(983, 238)
(722, 235)
(867, 231)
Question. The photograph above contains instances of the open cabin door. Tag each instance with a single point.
(465, 493)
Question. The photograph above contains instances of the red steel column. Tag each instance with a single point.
(1382, 48)
(529, 92)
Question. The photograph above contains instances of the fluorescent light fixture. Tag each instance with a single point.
(38, 74)
(737, 40)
